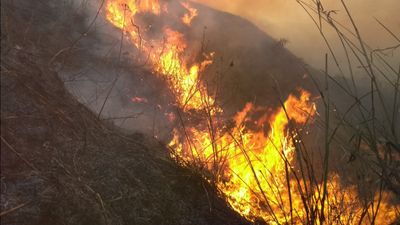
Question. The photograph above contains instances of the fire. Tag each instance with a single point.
(120, 13)
(253, 161)
(345, 205)
(188, 17)
(254, 169)
(184, 81)
(250, 165)
(166, 55)
(152, 6)
(139, 100)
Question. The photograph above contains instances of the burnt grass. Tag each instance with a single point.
(60, 164)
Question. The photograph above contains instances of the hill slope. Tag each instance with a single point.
(60, 164)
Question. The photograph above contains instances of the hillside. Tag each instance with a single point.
(170, 112)
(60, 164)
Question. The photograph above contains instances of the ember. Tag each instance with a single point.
(139, 100)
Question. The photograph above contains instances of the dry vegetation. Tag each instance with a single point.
(61, 164)
(347, 170)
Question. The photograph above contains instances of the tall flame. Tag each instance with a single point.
(251, 163)
(167, 54)
(254, 170)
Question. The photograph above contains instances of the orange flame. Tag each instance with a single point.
(252, 168)
(137, 99)
(252, 161)
(190, 15)
(167, 55)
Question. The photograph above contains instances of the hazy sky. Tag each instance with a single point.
(286, 19)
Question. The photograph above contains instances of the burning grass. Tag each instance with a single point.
(256, 170)
(167, 52)
(60, 164)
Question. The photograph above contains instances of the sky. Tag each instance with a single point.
(287, 19)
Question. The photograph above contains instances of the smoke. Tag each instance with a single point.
(111, 77)
(249, 66)
(287, 19)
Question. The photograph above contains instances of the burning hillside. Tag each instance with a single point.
(165, 52)
(60, 164)
(246, 123)
(254, 169)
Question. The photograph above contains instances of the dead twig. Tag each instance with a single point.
(84, 34)
(13, 209)
(18, 154)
